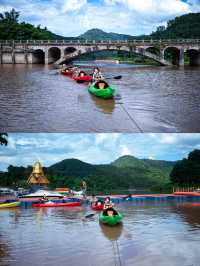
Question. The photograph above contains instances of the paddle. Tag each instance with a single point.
(116, 77)
(90, 215)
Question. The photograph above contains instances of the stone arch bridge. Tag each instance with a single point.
(166, 52)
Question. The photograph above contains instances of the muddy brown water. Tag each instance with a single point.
(34, 98)
(152, 233)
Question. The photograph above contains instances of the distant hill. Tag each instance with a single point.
(97, 34)
(124, 173)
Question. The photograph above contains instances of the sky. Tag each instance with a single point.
(74, 17)
(25, 148)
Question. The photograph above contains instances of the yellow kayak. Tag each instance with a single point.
(10, 204)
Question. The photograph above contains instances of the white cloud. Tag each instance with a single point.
(125, 150)
(73, 5)
(73, 17)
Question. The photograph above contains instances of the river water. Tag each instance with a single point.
(35, 98)
(154, 233)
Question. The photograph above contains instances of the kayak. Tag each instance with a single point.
(197, 194)
(97, 207)
(102, 93)
(110, 220)
(10, 204)
(83, 79)
(69, 73)
(54, 204)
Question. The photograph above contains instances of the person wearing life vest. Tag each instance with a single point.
(97, 75)
(107, 203)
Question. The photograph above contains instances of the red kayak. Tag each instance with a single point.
(83, 78)
(197, 194)
(97, 207)
(53, 204)
(68, 73)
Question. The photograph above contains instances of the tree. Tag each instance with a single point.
(3, 139)
(10, 17)
(187, 171)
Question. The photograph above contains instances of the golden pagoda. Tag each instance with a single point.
(37, 176)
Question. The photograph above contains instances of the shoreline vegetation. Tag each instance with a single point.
(153, 176)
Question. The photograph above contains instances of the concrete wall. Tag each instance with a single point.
(20, 58)
(6, 58)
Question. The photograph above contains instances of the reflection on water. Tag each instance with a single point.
(159, 234)
(152, 99)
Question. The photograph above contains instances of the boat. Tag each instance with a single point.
(110, 220)
(68, 73)
(83, 79)
(106, 93)
(194, 194)
(43, 193)
(54, 204)
(97, 207)
(9, 204)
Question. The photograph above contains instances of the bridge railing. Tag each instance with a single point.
(114, 42)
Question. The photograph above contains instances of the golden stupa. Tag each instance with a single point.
(37, 176)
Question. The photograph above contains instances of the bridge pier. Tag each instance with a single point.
(46, 57)
(13, 52)
(181, 57)
(25, 54)
(1, 62)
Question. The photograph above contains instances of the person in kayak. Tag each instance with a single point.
(97, 75)
(107, 203)
(101, 85)
(93, 199)
(82, 74)
(110, 212)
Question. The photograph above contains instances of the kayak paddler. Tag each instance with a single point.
(97, 75)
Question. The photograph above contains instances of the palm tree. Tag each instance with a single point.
(3, 139)
(10, 17)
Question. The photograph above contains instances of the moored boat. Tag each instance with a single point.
(184, 193)
(54, 204)
(9, 204)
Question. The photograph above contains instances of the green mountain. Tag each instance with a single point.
(124, 173)
(97, 34)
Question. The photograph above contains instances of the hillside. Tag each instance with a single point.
(97, 34)
(126, 172)
(185, 26)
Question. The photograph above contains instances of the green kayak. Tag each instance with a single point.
(106, 93)
(110, 220)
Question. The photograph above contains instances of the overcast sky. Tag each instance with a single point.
(24, 149)
(74, 17)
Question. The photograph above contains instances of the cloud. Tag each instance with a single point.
(125, 150)
(23, 149)
(73, 5)
(73, 17)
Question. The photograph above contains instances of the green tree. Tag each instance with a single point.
(3, 139)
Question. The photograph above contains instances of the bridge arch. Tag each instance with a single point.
(172, 54)
(194, 56)
(153, 50)
(90, 50)
(38, 56)
(54, 54)
(69, 50)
